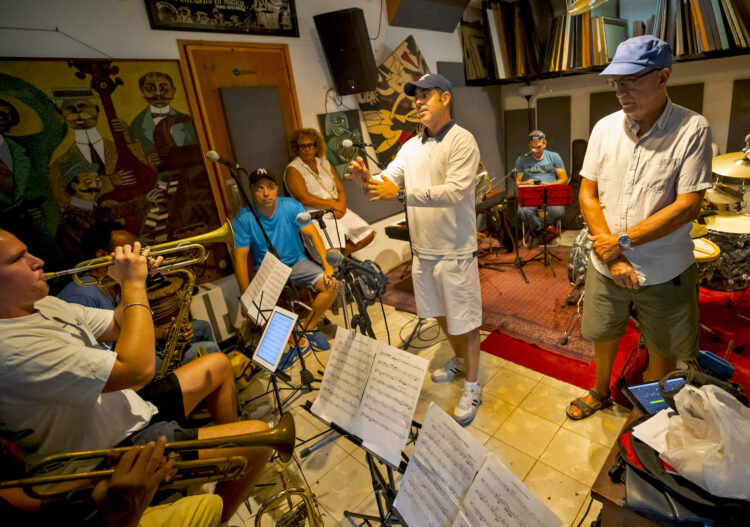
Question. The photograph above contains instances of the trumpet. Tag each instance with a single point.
(192, 246)
(280, 438)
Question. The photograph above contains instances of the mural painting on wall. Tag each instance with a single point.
(337, 127)
(85, 141)
(259, 17)
(389, 114)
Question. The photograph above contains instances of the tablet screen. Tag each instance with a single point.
(274, 339)
(648, 398)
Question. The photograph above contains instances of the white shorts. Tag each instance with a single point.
(351, 227)
(449, 288)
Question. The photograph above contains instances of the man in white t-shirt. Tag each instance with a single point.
(433, 175)
(61, 391)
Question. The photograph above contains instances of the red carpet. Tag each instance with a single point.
(530, 311)
(715, 315)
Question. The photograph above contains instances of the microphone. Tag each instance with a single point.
(336, 259)
(527, 154)
(211, 155)
(303, 218)
(348, 143)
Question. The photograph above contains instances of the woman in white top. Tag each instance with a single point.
(311, 180)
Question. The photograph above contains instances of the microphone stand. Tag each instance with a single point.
(517, 262)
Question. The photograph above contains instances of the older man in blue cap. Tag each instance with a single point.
(644, 175)
(433, 176)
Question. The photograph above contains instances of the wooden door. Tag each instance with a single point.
(209, 66)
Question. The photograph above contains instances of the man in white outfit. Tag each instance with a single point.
(433, 174)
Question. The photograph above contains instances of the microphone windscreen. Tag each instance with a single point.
(213, 156)
(303, 218)
(347, 143)
(334, 258)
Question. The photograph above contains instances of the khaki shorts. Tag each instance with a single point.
(667, 313)
(448, 288)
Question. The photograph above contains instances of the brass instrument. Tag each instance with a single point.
(297, 514)
(175, 343)
(281, 438)
(192, 246)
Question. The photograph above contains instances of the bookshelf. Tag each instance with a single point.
(527, 40)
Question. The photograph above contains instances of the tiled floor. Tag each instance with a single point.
(522, 420)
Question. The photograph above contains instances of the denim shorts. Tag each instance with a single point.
(306, 273)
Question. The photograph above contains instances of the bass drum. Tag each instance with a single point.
(578, 261)
(731, 232)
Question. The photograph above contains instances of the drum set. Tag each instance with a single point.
(723, 252)
(721, 236)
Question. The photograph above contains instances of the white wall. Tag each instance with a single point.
(120, 29)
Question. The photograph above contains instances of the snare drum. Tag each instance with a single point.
(578, 261)
(731, 232)
(706, 253)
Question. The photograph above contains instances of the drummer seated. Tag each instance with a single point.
(311, 180)
(100, 240)
(62, 390)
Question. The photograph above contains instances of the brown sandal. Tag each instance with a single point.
(586, 410)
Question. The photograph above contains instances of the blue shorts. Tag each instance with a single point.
(306, 273)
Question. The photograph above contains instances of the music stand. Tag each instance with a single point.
(517, 262)
(544, 196)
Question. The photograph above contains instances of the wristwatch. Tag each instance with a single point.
(401, 195)
(624, 241)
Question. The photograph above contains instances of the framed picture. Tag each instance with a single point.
(257, 17)
(389, 114)
(337, 127)
(94, 141)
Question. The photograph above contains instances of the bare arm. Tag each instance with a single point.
(241, 267)
(588, 198)
(134, 364)
(519, 180)
(320, 247)
(562, 177)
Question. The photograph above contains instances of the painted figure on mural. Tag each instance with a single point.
(26, 206)
(389, 115)
(159, 91)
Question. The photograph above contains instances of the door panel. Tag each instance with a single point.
(210, 66)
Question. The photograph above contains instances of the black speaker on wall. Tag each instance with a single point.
(346, 44)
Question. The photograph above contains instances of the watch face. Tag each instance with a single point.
(624, 240)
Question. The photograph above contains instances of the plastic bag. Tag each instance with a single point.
(709, 441)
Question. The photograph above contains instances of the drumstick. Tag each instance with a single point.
(702, 251)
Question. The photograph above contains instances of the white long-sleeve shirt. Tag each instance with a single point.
(439, 174)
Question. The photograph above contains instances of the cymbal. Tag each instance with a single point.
(717, 196)
(698, 230)
(733, 164)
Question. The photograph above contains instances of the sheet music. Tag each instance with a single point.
(265, 289)
(345, 378)
(389, 401)
(498, 497)
(445, 460)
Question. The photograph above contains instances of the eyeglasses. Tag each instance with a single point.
(536, 137)
(306, 146)
(629, 83)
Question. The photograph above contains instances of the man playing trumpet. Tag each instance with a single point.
(60, 391)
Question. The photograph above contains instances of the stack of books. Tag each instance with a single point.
(699, 26)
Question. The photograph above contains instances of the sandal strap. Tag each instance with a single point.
(585, 409)
(601, 399)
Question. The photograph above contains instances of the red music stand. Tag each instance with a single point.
(544, 196)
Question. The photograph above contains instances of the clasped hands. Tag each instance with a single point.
(609, 251)
(382, 189)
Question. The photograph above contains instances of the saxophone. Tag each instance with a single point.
(175, 342)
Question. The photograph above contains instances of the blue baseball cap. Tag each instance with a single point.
(637, 53)
(429, 80)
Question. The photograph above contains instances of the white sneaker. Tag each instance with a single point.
(448, 371)
(466, 408)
